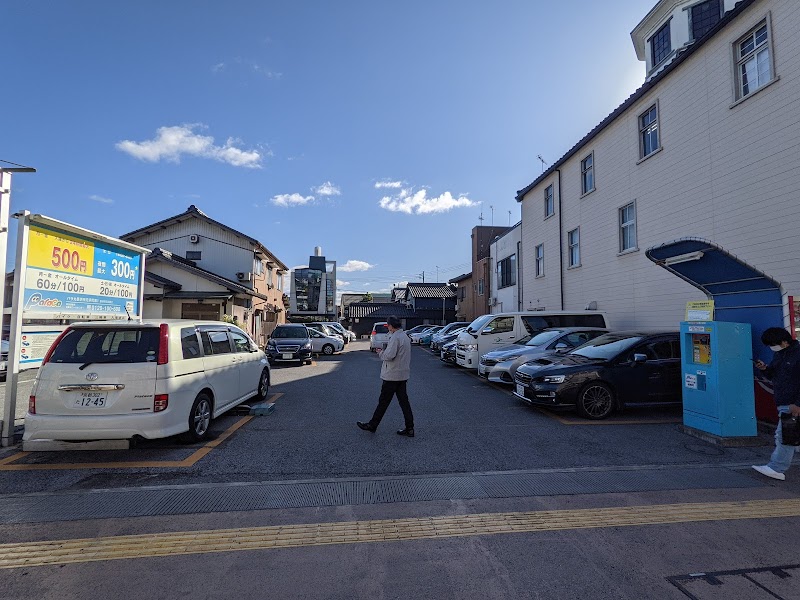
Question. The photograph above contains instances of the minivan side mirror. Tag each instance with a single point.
(639, 358)
(487, 330)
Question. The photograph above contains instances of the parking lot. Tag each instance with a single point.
(492, 498)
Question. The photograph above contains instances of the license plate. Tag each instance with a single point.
(520, 389)
(91, 400)
(286, 356)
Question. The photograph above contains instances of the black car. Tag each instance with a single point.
(605, 374)
(448, 353)
(289, 343)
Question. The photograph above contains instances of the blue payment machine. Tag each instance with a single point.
(717, 378)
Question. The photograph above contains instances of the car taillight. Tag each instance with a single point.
(163, 345)
(53, 348)
(373, 332)
(32, 405)
(160, 402)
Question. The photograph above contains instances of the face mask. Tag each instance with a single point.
(776, 348)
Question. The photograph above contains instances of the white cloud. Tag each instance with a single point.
(355, 265)
(327, 189)
(417, 203)
(388, 184)
(171, 143)
(287, 200)
(217, 68)
(342, 284)
(101, 199)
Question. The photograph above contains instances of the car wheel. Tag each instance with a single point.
(596, 401)
(200, 417)
(263, 385)
(327, 349)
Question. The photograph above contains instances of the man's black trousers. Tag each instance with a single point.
(388, 390)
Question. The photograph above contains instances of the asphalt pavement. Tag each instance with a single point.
(491, 499)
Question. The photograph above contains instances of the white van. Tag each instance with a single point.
(151, 378)
(491, 332)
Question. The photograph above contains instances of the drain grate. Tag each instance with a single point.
(781, 583)
(178, 500)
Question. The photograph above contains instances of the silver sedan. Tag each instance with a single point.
(324, 344)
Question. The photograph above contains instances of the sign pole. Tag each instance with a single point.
(16, 331)
(5, 204)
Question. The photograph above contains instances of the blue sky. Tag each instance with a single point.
(380, 131)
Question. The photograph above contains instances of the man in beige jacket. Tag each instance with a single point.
(395, 371)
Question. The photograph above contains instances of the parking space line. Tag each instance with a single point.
(6, 464)
(152, 545)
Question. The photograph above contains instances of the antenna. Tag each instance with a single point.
(539, 156)
(481, 218)
(492, 209)
(128, 312)
(509, 218)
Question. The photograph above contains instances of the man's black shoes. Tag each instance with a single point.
(368, 427)
(408, 432)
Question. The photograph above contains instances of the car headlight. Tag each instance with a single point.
(555, 378)
(271, 343)
(307, 346)
(471, 347)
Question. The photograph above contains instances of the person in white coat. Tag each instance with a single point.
(395, 371)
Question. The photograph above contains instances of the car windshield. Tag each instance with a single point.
(290, 332)
(607, 346)
(540, 339)
(479, 323)
(107, 344)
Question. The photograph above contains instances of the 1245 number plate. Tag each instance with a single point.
(91, 400)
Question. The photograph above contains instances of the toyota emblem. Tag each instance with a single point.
(91, 377)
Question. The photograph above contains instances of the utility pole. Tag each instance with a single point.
(492, 209)
(481, 219)
(509, 218)
(437, 273)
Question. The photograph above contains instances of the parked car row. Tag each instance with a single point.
(571, 360)
(297, 342)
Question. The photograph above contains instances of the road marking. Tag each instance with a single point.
(6, 464)
(59, 552)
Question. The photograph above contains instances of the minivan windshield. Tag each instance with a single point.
(607, 346)
(107, 344)
(478, 324)
(381, 328)
(292, 332)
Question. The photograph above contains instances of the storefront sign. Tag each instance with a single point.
(69, 276)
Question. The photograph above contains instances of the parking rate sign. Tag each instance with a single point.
(72, 277)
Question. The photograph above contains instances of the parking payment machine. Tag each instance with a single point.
(717, 374)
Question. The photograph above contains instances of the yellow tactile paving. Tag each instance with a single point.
(56, 552)
(6, 464)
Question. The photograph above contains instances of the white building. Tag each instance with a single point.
(505, 289)
(706, 148)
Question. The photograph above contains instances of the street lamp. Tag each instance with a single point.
(7, 429)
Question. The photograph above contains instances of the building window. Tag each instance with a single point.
(193, 254)
(704, 16)
(587, 174)
(507, 271)
(480, 287)
(540, 260)
(754, 68)
(661, 44)
(258, 266)
(648, 132)
(627, 227)
(574, 247)
(549, 202)
(462, 293)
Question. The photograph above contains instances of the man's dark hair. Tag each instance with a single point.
(774, 336)
(394, 322)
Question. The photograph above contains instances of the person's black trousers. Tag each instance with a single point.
(388, 390)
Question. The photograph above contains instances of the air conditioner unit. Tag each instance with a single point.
(194, 238)
(244, 276)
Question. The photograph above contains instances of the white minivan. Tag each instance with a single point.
(491, 332)
(151, 378)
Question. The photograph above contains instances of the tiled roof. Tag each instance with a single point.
(371, 310)
(159, 281)
(430, 290)
(463, 277)
(399, 294)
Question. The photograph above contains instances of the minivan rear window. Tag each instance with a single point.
(106, 344)
(381, 329)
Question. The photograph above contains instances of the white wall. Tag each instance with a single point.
(727, 173)
(502, 248)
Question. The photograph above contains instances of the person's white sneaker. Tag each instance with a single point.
(769, 472)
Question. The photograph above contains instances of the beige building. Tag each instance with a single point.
(203, 269)
(706, 148)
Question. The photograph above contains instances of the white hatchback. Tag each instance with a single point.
(151, 378)
(379, 336)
